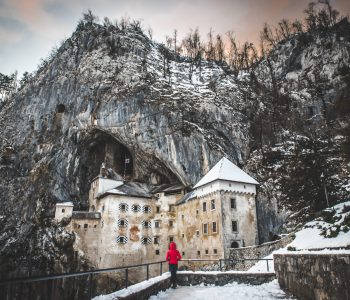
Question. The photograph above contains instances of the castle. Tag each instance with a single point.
(127, 224)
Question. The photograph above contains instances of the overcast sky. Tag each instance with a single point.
(29, 29)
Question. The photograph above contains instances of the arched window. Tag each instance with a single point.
(234, 244)
(146, 224)
(146, 209)
(136, 208)
(121, 239)
(123, 207)
(146, 240)
(122, 223)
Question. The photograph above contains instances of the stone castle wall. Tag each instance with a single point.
(256, 252)
(314, 276)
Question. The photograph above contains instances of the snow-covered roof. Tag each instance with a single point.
(64, 204)
(106, 184)
(189, 196)
(226, 170)
(121, 188)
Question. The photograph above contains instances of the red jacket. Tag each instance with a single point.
(173, 255)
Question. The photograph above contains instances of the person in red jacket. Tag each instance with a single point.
(173, 256)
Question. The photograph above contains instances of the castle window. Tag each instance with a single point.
(214, 227)
(182, 217)
(171, 239)
(183, 253)
(63, 210)
(183, 235)
(146, 224)
(234, 226)
(205, 228)
(229, 184)
(197, 211)
(95, 226)
(157, 252)
(103, 208)
(244, 186)
(156, 224)
(212, 204)
(158, 209)
(146, 209)
(146, 240)
(234, 244)
(85, 226)
(136, 208)
(122, 239)
(206, 251)
(215, 251)
(204, 206)
(197, 232)
(233, 203)
(122, 223)
(156, 240)
(198, 253)
(123, 207)
(171, 223)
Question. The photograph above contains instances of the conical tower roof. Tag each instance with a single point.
(226, 170)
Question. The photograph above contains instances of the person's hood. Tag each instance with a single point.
(172, 246)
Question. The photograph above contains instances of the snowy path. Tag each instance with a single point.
(237, 291)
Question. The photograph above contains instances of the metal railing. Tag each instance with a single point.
(231, 262)
(4, 284)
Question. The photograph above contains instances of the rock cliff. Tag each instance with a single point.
(110, 94)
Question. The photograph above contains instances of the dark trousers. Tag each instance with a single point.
(173, 270)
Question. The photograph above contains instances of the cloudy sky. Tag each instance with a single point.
(29, 29)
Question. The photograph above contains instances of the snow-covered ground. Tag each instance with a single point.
(318, 236)
(318, 233)
(234, 290)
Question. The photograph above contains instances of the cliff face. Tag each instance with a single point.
(110, 94)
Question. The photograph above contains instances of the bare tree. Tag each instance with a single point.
(175, 39)
(150, 33)
(210, 52)
(107, 22)
(285, 28)
(297, 26)
(169, 41)
(332, 13)
(219, 49)
(233, 54)
(267, 35)
(311, 16)
(89, 17)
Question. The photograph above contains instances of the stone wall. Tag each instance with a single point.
(256, 252)
(314, 276)
(147, 292)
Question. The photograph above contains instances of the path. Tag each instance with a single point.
(234, 290)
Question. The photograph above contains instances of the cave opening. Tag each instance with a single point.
(60, 108)
(101, 147)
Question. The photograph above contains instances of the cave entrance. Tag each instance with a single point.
(101, 147)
